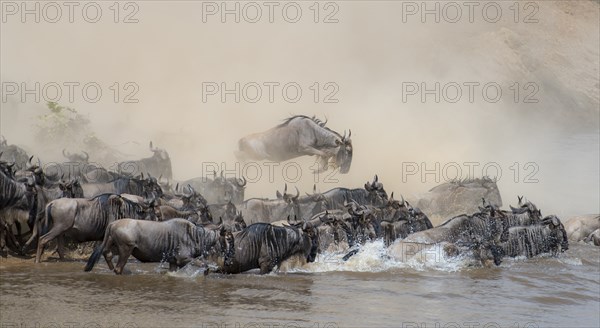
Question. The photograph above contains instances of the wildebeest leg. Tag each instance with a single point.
(60, 247)
(19, 230)
(3, 240)
(173, 266)
(308, 150)
(108, 256)
(53, 233)
(124, 253)
(10, 241)
(266, 265)
(34, 236)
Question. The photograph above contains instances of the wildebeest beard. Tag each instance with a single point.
(343, 159)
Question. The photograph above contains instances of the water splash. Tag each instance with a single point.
(375, 257)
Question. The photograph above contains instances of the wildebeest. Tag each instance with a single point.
(402, 221)
(456, 197)
(529, 241)
(462, 228)
(157, 165)
(220, 189)
(146, 187)
(77, 166)
(269, 210)
(176, 242)
(311, 204)
(334, 233)
(17, 206)
(372, 194)
(86, 219)
(187, 202)
(264, 246)
(298, 136)
(13, 154)
(69, 189)
(229, 216)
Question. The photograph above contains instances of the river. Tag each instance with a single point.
(370, 290)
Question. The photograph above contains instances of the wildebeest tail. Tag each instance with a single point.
(97, 251)
(47, 219)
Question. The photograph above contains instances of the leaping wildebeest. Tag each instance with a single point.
(297, 136)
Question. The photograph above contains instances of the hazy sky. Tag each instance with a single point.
(358, 66)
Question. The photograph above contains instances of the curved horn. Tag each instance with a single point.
(87, 156)
(39, 163)
(403, 202)
(241, 182)
(297, 193)
(191, 188)
(151, 148)
(285, 189)
(349, 133)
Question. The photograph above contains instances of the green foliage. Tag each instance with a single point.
(61, 125)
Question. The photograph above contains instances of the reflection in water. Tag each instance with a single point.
(545, 291)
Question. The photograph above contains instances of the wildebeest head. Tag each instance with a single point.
(311, 240)
(560, 233)
(71, 188)
(527, 207)
(159, 152)
(34, 171)
(343, 158)
(227, 245)
(238, 222)
(238, 187)
(377, 195)
(193, 200)
(319, 199)
(78, 158)
(149, 210)
(151, 188)
(205, 215)
(7, 168)
(288, 198)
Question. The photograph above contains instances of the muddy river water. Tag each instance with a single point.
(370, 290)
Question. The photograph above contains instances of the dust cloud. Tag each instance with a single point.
(370, 53)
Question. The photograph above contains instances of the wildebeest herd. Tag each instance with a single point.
(209, 221)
